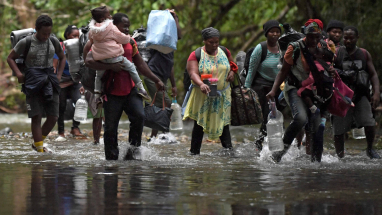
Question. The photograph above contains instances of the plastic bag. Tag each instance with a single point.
(162, 33)
(158, 118)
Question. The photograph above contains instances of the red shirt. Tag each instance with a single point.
(120, 83)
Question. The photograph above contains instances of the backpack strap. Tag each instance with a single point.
(27, 46)
(225, 50)
(198, 53)
(63, 46)
(54, 42)
(264, 50)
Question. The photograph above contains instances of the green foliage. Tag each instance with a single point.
(238, 20)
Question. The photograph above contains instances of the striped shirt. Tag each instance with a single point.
(267, 69)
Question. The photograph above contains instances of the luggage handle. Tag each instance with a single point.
(163, 104)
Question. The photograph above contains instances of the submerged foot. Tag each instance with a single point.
(372, 154)
(133, 153)
(259, 144)
(276, 156)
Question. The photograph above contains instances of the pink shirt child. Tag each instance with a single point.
(107, 40)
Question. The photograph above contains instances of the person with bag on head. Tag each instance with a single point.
(211, 115)
(162, 65)
(69, 88)
(122, 95)
(264, 65)
(297, 69)
(40, 82)
(356, 69)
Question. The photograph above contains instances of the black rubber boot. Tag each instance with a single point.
(276, 156)
(372, 154)
(133, 153)
(318, 144)
(225, 138)
(196, 139)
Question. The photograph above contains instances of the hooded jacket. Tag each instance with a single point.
(107, 40)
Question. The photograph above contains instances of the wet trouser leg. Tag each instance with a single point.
(339, 144)
(299, 114)
(75, 95)
(262, 91)
(133, 107)
(61, 110)
(300, 119)
(225, 138)
(196, 139)
(113, 108)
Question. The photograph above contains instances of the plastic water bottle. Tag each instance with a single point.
(275, 129)
(81, 111)
(176, 117)
(358, 133)
(240, 60)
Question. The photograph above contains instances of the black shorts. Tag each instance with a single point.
(37, 104)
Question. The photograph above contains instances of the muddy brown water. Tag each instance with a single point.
(76, 179)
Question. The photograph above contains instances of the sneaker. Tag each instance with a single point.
(144, 95)
(372, 154)
(60, 139)
(46, 150)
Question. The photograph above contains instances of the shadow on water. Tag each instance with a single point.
(76, 179)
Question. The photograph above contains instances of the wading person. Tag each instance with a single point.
(211, 115)
(262, 72)
(351, 62)
(105, 41)
(297, 70)
(122, 96)
(41, 83)
(162, 65)
(69, 88)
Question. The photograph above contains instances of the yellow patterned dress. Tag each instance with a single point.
(211, 113)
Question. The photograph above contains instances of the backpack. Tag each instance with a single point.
(139, 36)
(248, 54)
(16, 36)
(86, 75)
(186, 76)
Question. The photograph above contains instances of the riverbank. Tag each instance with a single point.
(12, 100)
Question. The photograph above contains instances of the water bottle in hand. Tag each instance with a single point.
(81, 111)
(275, 128)
(176, 117)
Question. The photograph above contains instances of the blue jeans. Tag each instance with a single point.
(301, 117)
(113, 107)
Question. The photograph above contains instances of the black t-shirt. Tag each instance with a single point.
(344, 61)
(161, 64)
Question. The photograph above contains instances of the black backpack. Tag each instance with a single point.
(27, 34)
(186, 76)
(248, 54)
(86, 75)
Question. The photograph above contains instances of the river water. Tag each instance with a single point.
(76, 179)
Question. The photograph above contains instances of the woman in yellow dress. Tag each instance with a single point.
(212, 115)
